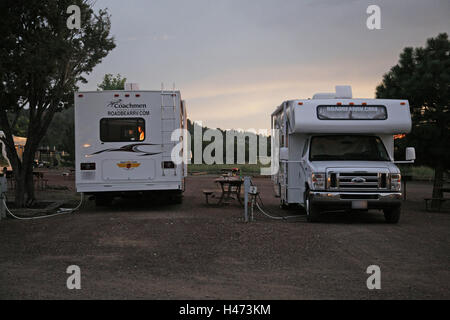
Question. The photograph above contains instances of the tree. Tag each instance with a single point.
(61, 133)
(112, 83)
(422, 76)
(41, 62)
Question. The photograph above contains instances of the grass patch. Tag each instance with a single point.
(418, 173)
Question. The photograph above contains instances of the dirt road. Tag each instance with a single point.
(191, 251)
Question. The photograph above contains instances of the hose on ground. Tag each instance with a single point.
(61, 211)
(267, 214)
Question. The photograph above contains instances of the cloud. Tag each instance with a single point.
(161, 37)
(235, 61)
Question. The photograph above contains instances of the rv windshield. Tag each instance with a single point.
(347, 147)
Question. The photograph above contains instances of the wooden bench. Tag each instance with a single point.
(441, 201)
(207, 194)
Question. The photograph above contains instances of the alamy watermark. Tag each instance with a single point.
(74, 280)
(374, 20)
(374, 280)
(74, 20)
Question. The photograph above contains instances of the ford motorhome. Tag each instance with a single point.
(123, 143)
(337, 152)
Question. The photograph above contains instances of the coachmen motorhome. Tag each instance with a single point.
(123, 143)
(338, 153)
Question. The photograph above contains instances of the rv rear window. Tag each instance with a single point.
(354, 112)
(122, 129)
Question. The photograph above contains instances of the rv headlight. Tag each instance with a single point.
(396, 181)
(318, 181)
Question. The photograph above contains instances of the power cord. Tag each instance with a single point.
(61, 211)
(257, 196)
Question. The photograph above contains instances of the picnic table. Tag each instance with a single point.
(230, 187)
(441, 200)
(38, 177)
(230, 171)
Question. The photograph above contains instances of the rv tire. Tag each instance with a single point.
(178, 197)
(284, 205)
(392, 215)
(312, 212)
(103, 200)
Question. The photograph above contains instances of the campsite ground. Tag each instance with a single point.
(137, 249)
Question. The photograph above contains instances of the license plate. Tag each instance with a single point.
(360, 204)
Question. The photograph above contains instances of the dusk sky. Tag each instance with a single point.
(234, 61)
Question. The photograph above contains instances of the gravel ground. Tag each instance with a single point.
(138, 250)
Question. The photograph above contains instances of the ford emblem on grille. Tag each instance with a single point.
(358, 180)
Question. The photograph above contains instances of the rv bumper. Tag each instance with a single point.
(131, 187)
(344, 200)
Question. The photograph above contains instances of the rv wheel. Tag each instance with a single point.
(178, 197)
(392, 215)
(284, 205)
(102, 201)
(312, 212)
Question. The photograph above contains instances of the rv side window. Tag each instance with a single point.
(122, 129)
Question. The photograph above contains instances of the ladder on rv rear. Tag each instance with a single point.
(168, 124)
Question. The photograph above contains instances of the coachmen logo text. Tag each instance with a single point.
(127, 109)
(128, 165)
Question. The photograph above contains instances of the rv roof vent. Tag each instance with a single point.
(323, 96)
(131, 86)
(343, 92)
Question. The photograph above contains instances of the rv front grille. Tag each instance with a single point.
(333, 180)
(362, 181)
(383, 181)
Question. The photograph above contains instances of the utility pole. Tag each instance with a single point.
(247, 184)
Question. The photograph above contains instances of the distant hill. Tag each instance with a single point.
(192, 126)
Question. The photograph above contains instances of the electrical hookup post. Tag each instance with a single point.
(3, 189)
(247, 183)
(250, 194)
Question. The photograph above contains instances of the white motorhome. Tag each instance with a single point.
(337, 152)
(123, 143)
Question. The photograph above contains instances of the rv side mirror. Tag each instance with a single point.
(284, 153)
(410, 154)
